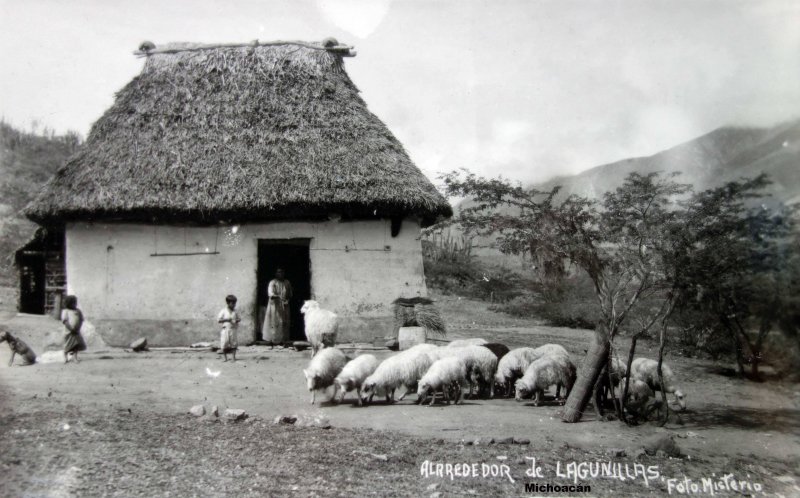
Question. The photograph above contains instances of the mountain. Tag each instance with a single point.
(27, 161)
(723, 155)
(720, 156)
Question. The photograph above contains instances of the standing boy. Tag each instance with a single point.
(229, 319)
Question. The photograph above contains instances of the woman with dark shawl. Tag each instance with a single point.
(72, 318)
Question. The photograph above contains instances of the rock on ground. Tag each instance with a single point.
(662, 442)
(235, 414)
(198, 410)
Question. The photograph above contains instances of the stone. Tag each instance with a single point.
(198, 410)
(235, 414)
(616, 452)
(301, 345)
(215, 411)
(433, 486)
(661, 442)
(437, 494)
(522, 440)
(505, 440)
(411, 336)
(393, 344)
(139, 345)
(285, 419)
(318, 421)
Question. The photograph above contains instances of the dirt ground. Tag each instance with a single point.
(117, 424)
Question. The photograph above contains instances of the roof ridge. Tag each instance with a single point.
(329, 44)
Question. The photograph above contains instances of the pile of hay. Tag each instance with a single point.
(418, 312)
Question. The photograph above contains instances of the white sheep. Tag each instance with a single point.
(353, 375)
(443, 375)
(423, 348)
(403, 369)
(646, 370)
(323, 369)
(639, 393)
(481, 364)
(460, 343)
(543, 373)
(320, 326)
(513, 365)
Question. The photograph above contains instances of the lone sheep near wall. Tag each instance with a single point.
(321, 326)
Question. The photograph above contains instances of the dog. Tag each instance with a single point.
(18, 347)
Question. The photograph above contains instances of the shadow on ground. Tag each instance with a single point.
(717, 416)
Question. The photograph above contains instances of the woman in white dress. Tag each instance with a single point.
(277, 319)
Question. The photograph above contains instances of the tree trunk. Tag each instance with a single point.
(631, 352)
(588, 375)
(662, 343)
(763, 330)
(737, 344)
(617, 405)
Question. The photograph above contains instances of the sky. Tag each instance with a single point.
(524, 89)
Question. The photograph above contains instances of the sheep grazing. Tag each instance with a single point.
(543, 373)
(323, 369)
(460, 343)
(321, 326)
(513, 365)
(444, 374)
(639, 393)
(646, 370)
(481, 364)
(498, 349)
(353, 375)
(403, 369)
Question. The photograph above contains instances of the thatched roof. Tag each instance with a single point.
(238, 134)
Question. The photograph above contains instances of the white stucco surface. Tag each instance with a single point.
(357, 270)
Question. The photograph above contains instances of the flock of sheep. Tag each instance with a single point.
(470, 365)
(484, 367)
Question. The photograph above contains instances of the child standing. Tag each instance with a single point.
(72, 318)
(229, 319)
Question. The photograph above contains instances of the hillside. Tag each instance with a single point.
(27, 161)
(720, 156)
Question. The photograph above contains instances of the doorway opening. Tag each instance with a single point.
(294, 257)
(42, 273)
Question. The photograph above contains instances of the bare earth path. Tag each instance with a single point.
(142, 400)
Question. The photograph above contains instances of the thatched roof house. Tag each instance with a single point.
(250, 137)
(240, 133)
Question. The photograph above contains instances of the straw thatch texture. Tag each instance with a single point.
(238, 134)
(418, 312)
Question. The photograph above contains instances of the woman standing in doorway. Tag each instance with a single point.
(277, 321)
(72, 318)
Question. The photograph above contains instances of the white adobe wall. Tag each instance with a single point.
(128, 293)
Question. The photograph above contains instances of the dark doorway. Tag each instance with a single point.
(42, 272)
(293, 256)
(31, 283)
